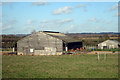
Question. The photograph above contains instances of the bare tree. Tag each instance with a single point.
(33, 31)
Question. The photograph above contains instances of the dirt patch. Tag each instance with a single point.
(5, 52)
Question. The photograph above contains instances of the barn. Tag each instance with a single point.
(109, 44)
(46, 43)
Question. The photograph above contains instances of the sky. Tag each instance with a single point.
(65, 17)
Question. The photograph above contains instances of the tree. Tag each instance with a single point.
(101, 38)
(33, 31)
(106, 36)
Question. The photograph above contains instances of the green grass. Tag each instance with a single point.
(65, 66)
(105, 50)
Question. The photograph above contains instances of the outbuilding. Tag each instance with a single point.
(46, 43)
(109, 44)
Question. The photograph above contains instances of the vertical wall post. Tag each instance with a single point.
(13, 49)
(66, 48)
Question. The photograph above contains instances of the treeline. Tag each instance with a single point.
(92, 40)
(9, 41)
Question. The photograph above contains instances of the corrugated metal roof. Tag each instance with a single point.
(115, 41)
(62, 36)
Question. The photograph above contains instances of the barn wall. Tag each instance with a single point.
(41, 44)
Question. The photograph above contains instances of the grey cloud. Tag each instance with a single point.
(81, 5)
(69, 9)
(54, 24)
(93, 19)
(66, 9)
(57, 21)
(30, 22)
(114, 7)
(84, 6)
(40, 3)
(97, 20)
(65, 20)
(4, 28)
(30, 25)
(109, 22)
(8, 24)
(6, 3)
(45, 21)
(70, 28)
(0, 3)
(117, 14)
(12, 21)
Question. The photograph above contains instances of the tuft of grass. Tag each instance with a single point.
(64, 66)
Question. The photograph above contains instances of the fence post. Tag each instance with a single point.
(98, 56)
(104, 56)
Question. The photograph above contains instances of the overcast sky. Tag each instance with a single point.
(76, 17)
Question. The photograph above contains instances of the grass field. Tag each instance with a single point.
(65, 66)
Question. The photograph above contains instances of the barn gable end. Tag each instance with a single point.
(109, 44)
(39, 44)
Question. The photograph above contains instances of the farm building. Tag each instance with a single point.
(46, 43)
(109, 44)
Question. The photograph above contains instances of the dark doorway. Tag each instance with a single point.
(74, 45)
(104, 47)
(15, 46)
(118, 46)
(63, 46)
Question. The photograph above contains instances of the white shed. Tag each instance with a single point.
(109, 44)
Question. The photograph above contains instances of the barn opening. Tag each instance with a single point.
(118, 46)
(71, 45)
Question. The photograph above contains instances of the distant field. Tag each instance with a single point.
(65, 66)
(95, 38)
